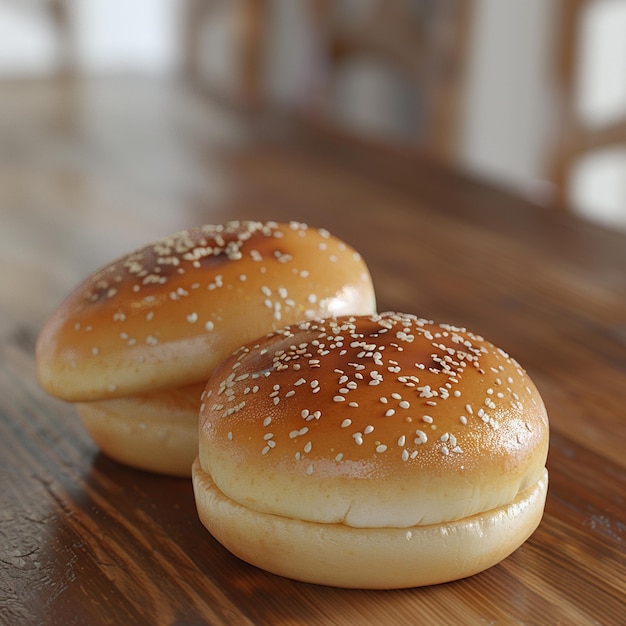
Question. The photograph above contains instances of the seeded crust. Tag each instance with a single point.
(132, 342)
(167, 314)
(373, 422)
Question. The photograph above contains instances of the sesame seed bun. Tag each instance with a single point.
(157, 431)
(371, 451)
(149, 326)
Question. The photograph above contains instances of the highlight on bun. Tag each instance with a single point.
(371, 451)
(134, 344)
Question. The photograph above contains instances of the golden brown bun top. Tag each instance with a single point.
(168, 313)
(382, 420)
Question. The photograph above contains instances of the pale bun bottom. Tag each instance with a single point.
(368, 558)
(157, 433)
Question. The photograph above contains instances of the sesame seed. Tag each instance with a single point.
(346, 423)
(421, 436)
(381, 448)
(368, 429)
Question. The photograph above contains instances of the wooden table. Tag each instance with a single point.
(91, 172)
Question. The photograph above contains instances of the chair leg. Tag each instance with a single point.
(61, 16)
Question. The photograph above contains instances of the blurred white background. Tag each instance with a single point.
(508, 113)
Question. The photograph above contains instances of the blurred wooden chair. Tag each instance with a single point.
(251, 26)
(574, 138)
(58, 13)
(422, 41)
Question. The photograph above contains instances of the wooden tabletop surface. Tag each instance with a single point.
(94, 170)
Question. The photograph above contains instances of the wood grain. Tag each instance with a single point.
(84, 540)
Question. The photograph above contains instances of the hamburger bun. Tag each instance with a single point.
(134, 344)
(376, 451)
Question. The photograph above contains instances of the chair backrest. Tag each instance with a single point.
(423, 42)
(574, 138)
